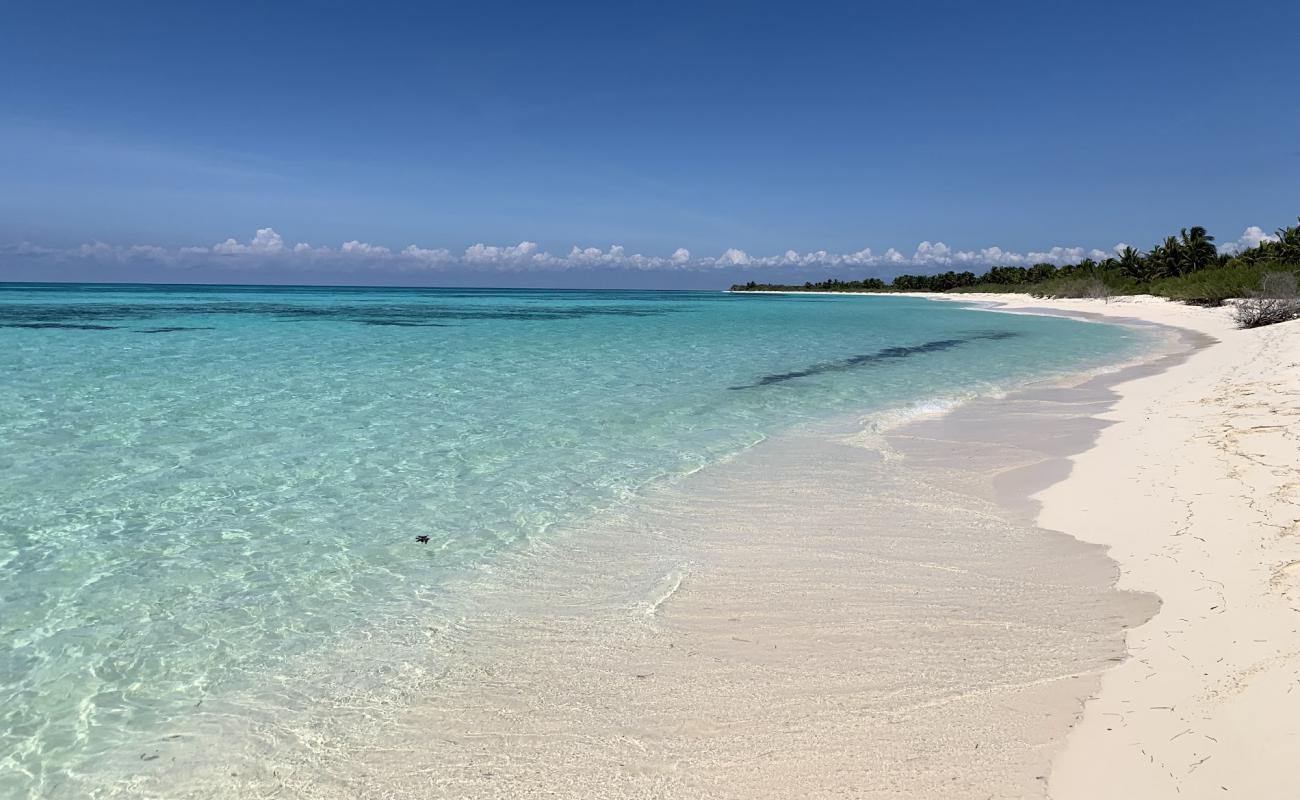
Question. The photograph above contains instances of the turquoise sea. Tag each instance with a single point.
(202, 484)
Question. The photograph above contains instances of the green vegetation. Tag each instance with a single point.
(1186, 267)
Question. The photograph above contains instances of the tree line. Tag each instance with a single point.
(1186, 267)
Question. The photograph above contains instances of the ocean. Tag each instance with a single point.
(208, 491)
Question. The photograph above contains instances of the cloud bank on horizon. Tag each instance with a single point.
(269, 247)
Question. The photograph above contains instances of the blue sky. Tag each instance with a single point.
(136, 136)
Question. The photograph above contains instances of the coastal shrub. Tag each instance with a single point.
(988, 288)
(1089, 287)
(1213, 287)
(1276, 300)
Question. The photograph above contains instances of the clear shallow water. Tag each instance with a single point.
(202, 484)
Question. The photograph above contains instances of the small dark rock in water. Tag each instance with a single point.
(422, 539)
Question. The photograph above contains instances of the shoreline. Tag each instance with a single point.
(1198, 471)
(1198, 468)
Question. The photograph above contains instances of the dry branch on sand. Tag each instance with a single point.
(1277, 300)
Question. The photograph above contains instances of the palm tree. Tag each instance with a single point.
(1196, 251)
(1288, 244)
(1040, 272)
(1285, 249)
(1133, 265)
(1163, 258)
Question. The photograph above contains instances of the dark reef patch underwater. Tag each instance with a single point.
(878, 357)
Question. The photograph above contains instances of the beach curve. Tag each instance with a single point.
(1194, 491)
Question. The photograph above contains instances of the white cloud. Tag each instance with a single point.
(937, 253)
(1251, 237)
(148, 251)
(266, 241)
(427, 256)
(1055, 255)
(364, 249)
(733, 257)
(492, 254)
(268, 247)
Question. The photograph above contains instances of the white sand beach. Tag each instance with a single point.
(1195, 490)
